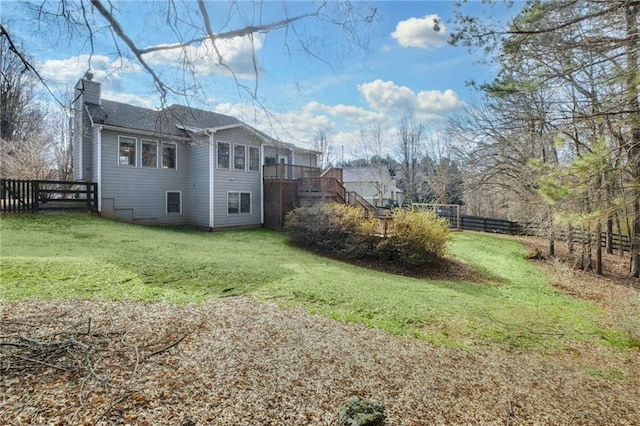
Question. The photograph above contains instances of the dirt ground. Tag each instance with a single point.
(239, 361)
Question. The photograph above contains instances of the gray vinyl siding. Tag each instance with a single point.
(82, 145)
(87, 147)
(142, 191)
(230, 180)
(274, 153)
(91, 92)
(77, 139)
(307, 160)
(196, 202)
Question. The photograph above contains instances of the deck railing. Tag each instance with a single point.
(289, 171)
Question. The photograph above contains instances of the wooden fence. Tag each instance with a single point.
(34, 196)
(500, 226)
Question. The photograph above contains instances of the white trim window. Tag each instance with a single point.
(223, 155)
(254, 159)
(149, 153)
(169, 155)
(174, 202)
(127, 151)
(238, 203)
(239, 157)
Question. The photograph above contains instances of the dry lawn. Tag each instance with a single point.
(239, 361)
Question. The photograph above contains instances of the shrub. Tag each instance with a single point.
(307, 226)
(416, 238)
(334, 229)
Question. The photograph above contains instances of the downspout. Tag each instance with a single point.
(262, 184)
(212, 166)
(98, 140)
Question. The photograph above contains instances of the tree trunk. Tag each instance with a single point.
(610, 235)
(599, 270)
(633, 150)
(552, 236)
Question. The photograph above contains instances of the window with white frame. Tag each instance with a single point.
(149, 151)
(239, 157)
(174, 202)
(223, 155)
(126, 151)
(169, 155)
(239, 203)
(254, 159)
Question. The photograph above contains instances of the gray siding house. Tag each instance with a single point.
(374, 184)
(178, 165)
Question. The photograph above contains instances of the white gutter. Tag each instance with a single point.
(227, 127)
(146, 133)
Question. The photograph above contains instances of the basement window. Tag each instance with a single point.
(174, 202)
(238, 203)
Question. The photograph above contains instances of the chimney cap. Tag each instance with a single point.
(88, 75)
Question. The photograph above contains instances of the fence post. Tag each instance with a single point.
(35, 196)
(88, 191)
(94, 188)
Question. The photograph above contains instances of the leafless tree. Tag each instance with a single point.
(25, 143)
(324, 145)
(198, 34)
(440, 171)
(373, 145)
(20, 110)
(410, 152)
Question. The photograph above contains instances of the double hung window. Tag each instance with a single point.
(239, 157)
(174, 202)
(168, 155)
(239, 203)
(149, 153)
(223, 155)
(126, 151)
(254, 159)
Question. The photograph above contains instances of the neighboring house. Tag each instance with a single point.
(374, 184)
(178, 165)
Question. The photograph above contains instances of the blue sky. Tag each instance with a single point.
(405, 64)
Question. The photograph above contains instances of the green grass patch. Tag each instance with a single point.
(66, 256)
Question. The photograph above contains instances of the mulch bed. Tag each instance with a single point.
(239, 361)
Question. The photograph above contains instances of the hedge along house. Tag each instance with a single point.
(177, 165)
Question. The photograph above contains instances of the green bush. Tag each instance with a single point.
(415, 238)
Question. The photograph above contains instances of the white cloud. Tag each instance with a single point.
(236, 53)
(70, 70)
(350, 113)
(148, 102)
(436, 101)
(387, 97)
(421, 32)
